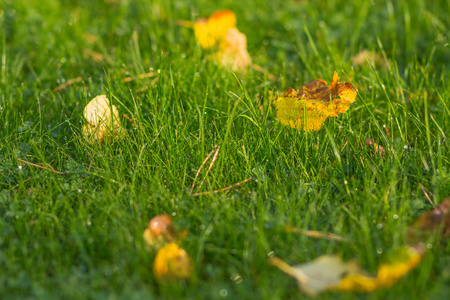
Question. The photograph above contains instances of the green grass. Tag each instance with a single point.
(79, 235)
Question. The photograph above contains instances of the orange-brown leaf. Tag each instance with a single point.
(316, 101)
(436, 219)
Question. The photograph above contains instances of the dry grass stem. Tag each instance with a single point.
(66, 84)
(317, 234)
(43, 166)
(223, 189)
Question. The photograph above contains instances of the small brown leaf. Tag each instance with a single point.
(161, 231)
(362, 57)
(432, 221)
(377, 148)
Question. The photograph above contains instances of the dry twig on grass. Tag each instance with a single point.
(43, 166)
(223, 189)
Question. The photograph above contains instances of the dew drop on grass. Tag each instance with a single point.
(395, 217)
(271, 254)
(174, 214)
(429, 246)
(379, 251)
(223, 293)
(345, 182)
(380, 226)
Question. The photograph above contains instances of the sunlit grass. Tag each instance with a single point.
(80, 234)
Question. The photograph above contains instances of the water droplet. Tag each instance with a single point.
(20, 167)
(271, 254)
(379, 251)
(429, 246)
(223, 293)
(174, 213)
(395, 217)
(380, 226)
(345, 182)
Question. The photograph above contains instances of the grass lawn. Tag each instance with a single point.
(78, 234)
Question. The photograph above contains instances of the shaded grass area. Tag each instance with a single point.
(80, 234)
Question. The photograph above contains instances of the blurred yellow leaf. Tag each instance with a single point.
(102, 120)
(172, 262)
(219, 32)
(434, 220)
(332, 273)
(388, 274)
(316, 101)
(318, 275)
(365, 55)
(212, 31)
(233, 51)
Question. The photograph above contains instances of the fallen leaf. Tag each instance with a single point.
(362, 57)
(219, 33)
(172, 262)
(434, 220)
(377, 148)
(316, 101)
(102, 120)
(233, 52)
(212, 31)
(159, 231)
(332, 273)
(387, 275)
(321, 274)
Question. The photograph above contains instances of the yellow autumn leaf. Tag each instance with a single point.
(219, 32)
(233, 52)
(330, 272)
(318, 275)
(315, 101)
(172, 262)
(387, 275)
(102, 120)
(212, 31)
